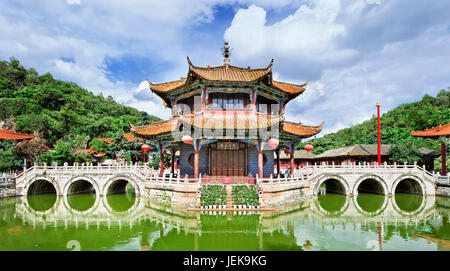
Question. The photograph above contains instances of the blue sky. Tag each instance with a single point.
(352, 52)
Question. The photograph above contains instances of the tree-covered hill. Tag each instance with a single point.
(30, 102)
(396, 126)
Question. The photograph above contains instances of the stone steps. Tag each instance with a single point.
(229, 197)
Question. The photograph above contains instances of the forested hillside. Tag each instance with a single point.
(56, 109)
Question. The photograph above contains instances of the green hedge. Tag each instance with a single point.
(245, 195)
(213, 195)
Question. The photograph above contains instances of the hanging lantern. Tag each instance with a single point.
(287, 152)
(187, 139)
(309, 148)
(145, 148)
(165, 152)
(273, 142)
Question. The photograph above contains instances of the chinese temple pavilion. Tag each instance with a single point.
(226, 120)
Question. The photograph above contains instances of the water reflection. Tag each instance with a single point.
(333, 204)
(41, 203)
(371, 204)
(81, 202)
(120, 202)
(127, 222)
(408, 203)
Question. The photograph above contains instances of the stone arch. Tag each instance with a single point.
(42, 178)
(94, 184)
(138, 190)
(418, 181)
(366, 177)
(325, 178)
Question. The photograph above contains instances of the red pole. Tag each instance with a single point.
(443, 158)
(379, 139)
(161, 161)
(196, 159)
(260, 159)
(291, 162)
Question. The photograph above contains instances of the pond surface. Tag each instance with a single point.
(126, 222)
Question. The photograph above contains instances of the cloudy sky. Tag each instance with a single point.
(352, 52)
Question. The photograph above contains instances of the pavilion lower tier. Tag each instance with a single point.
(233, 158)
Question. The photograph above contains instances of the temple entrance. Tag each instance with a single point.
(228, 159)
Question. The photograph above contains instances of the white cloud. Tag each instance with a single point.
(353, 52)
(74, 2)
(396, 75)
(307, 35)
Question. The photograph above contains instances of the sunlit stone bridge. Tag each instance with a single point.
(306, 182)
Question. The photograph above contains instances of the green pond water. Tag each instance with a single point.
(127, 222)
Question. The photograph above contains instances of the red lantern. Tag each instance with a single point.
(287, 152)
(309, 148)
(165, 152)
(145, 148)
(273, 142)
(187, 139)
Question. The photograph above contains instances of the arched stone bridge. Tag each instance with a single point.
(384, 179)
(306, 182)
(66, 180)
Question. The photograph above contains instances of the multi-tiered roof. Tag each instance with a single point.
(227, 78)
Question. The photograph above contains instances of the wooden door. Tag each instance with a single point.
(227, 162)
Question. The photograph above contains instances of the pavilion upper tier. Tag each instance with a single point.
(227, 76)
(227, 97)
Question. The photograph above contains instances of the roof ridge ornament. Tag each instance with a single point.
(189, 63)
(226, 54)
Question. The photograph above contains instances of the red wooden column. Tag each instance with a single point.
(196, 160)
(203, 100)
(378, 134)
(291, 169)
(260, 159)
(443, 158)
(278, 162)
(161, 161)
(172, 162)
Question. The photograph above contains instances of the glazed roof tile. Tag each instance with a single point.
(227, 73)
(9, 134)
(300, 129)
(441, 130)
(206, 120)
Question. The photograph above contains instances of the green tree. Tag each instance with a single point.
(98, 145)
(63, 153)
(403, 152)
